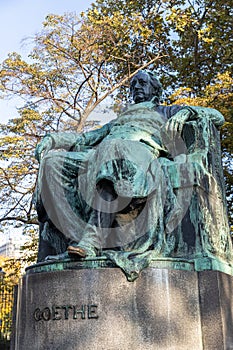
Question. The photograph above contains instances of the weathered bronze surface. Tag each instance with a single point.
(148, 186)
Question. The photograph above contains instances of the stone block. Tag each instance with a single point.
(99, 309)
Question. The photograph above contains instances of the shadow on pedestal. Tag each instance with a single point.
(90, 305)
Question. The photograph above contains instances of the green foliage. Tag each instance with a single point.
(202, 42)
(78, 61)
(18, 167)
(73, 65)
(30, 247)
(12, 269)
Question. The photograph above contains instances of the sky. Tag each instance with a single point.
(20, 19)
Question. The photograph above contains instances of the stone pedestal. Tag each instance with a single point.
(73, 307)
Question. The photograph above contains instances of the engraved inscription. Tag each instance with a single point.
(66, 312)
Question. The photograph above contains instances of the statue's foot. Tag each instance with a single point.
(77, 251)
(82, 252)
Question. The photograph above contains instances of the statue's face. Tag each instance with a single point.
(141, 88)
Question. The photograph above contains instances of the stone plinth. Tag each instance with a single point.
(97, 308)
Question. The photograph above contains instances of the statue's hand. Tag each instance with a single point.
(174, 125)
(43, 147)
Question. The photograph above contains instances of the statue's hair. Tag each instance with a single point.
(154, 81)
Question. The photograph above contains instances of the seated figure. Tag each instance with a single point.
(148, 185)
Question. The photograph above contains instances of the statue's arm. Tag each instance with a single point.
(93, 137)
(70, 141)
(202, 112)
(186, 114)
(55, 141)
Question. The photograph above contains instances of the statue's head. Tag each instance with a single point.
(145, 86)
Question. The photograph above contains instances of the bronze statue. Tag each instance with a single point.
(142, 187)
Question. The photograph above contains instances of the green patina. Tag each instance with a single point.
(199, 264)
(168, 161)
